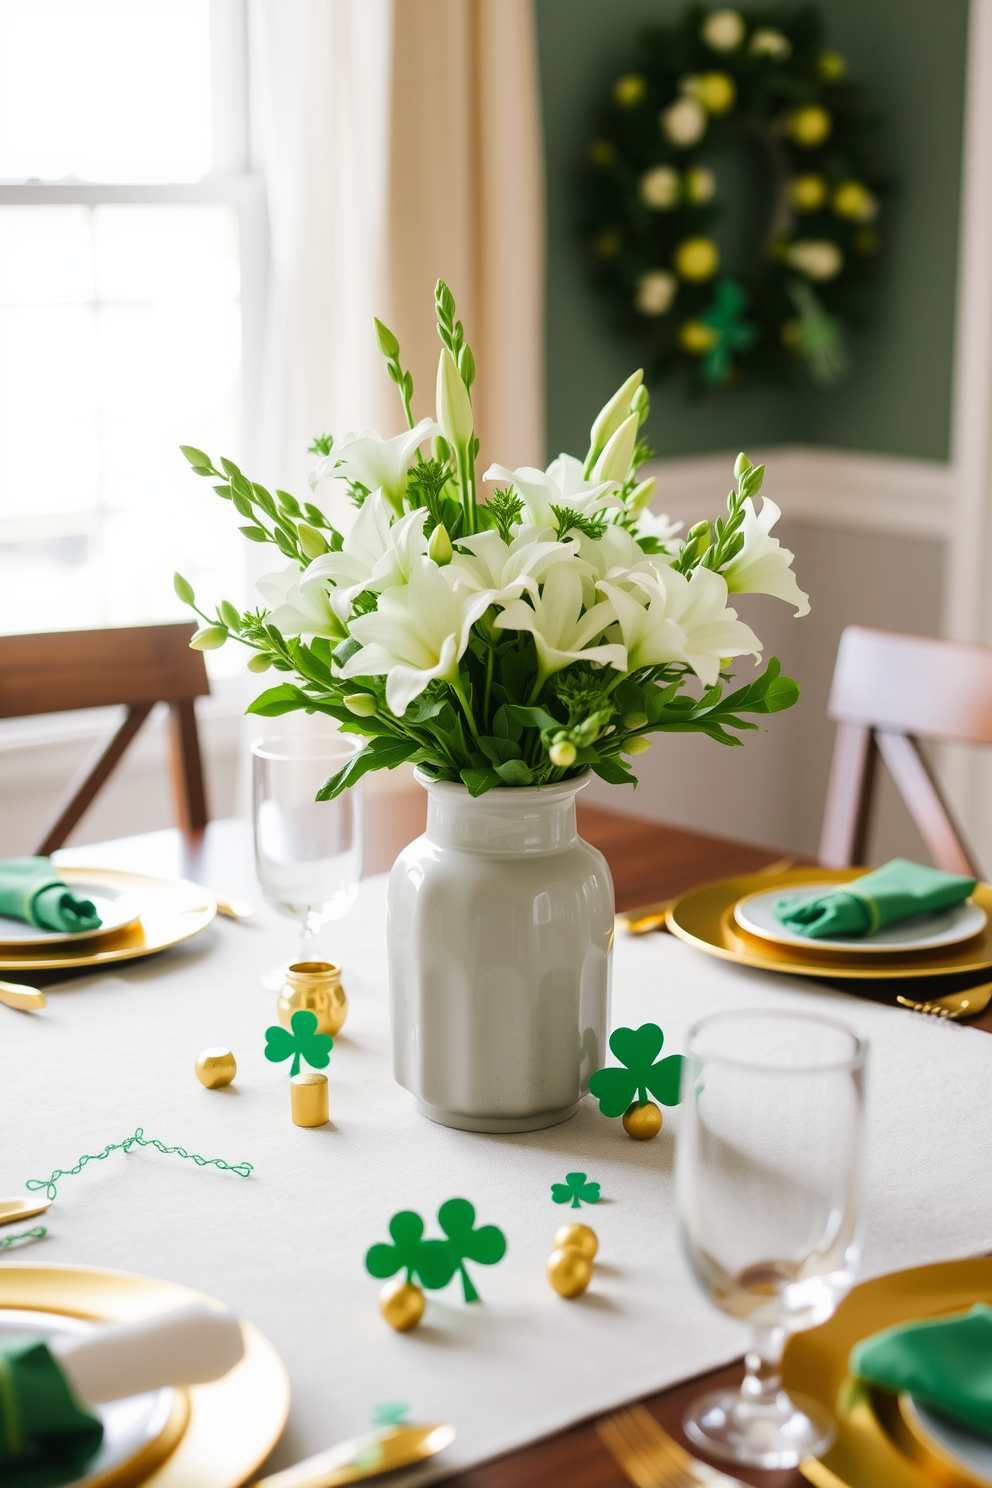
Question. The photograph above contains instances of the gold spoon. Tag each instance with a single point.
(12, 1210)
(235, 909)
(16, 995)
(364, 1457)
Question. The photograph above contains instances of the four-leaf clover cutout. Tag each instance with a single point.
(577, 1189)
(637, 1049)
(428, 1261)
(486, 1245)
(303, 1043)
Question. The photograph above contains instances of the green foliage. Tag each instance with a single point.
(637, 1049)
(322, 445)
(575, 1191)
(428, 484)
(504, 509)
(303, 1043)
(569, 520)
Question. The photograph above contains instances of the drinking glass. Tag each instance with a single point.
(767, 1181)
(308, 853)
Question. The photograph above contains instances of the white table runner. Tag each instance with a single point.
(285, 1248)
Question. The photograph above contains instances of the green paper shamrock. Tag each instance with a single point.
(486, 1245)
(390, 1413)
(637, 1049)
(733, 333)
(429, 1261)
(303, 1043)
(577, 1189)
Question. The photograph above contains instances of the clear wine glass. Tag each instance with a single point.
(768, 1174)
(308, 853)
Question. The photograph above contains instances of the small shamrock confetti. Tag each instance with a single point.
(303, 1043)
(390, 1413)
(485, 1245)
(576, 1189)
(619, 1090)
(428, 1261)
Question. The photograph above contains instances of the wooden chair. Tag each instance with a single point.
(889, 691)
(139, 667)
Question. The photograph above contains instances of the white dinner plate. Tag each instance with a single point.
(116, 908)
(756, 914)
(974, 1452)
(128, 1425)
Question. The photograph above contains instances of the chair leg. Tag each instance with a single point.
(847, 815)
(926, 804)
(80, 792)
(187, 768)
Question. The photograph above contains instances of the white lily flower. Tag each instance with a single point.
(613, 555)
(763, 565)
(561, 484)
(658, 525)
(376, 462)
(375, 554)
(507, 568)
(298, 611)
(562, 633)
(418, 632)
(684, 620)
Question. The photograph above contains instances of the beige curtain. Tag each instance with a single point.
(466, 204)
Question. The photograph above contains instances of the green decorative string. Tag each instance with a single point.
(50, 1185)
(38, 1233)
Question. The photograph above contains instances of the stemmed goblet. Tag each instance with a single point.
(767, 1181)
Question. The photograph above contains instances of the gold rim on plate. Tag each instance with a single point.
(705, 918)
(217, 1434)
(875, 1445)
(172, 909)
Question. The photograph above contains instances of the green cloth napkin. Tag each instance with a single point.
(871, 902)
(30, 889)
(46, 1438)
(946, 1362)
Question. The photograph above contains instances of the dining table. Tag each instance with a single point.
(651, 862)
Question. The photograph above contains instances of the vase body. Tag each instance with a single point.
(500, 935)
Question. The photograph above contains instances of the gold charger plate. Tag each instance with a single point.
(705, 918)
(172, 909)
(875, 1447)
(218, 1434)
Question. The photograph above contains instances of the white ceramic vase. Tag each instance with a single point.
(500, 941)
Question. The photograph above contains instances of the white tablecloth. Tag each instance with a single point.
(285, 1248)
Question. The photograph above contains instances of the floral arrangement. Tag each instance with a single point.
(513, 641)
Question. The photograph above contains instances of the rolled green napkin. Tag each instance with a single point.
(946, 1362)
(30, 889)
(871, 902)
(46, 1437)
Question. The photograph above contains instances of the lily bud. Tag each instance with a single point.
(612, 414)
(260, 662)
(741, 465)
(641, 496)
(208, 638)
(640, 403)
(466, 365)
(439, 547)
(563, 754)
(311, 541)
(454, 406)
(614, 463)
(386, 341)
(640, 745)
(634, 720)
(362, 704)
(702, 535)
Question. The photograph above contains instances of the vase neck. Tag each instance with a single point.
(510, 820)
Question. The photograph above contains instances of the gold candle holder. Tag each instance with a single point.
(308, 1095)
(315, 986)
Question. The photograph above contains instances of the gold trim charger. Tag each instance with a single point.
(170, 910)
(876, 1444)
(215, 1435)
(705, 918)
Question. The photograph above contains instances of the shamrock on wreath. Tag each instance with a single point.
(303, 1043)
(624, 1092)
(576, 1190)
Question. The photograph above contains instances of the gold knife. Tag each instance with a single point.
(364, 1457)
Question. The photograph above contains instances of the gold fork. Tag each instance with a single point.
(651, 1458)
(967, 1004)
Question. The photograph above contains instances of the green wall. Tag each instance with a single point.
(911, 55)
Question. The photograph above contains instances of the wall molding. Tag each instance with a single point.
(828, 487)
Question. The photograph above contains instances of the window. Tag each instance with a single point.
(130, 293)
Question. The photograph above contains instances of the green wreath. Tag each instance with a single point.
(764, 84)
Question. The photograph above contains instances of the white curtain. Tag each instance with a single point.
(400, 142)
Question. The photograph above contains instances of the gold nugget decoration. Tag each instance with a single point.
(570, 1264)
(624, 1092)
(215, 1068)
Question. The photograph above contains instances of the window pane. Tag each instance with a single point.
(105, 90)
(97, 505)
